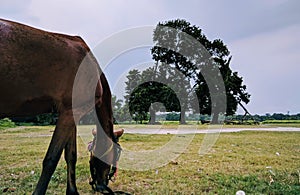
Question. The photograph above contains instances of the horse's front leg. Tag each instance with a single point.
(71, 158)
(61, 137)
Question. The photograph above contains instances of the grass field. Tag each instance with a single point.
(255, 162)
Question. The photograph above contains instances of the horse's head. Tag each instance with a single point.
(103, 163)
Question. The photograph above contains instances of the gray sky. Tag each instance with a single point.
(262, 35)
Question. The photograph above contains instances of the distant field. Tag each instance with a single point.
(255, 162)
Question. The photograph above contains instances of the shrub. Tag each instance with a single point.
(6, 123)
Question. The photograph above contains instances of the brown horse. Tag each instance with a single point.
(38, 72)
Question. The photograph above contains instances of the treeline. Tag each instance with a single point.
(50, 119)
(42, 119)
(269, 117)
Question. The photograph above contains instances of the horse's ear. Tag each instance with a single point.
(118, 133)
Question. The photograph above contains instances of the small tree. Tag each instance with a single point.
(148, 90)
(117, 108)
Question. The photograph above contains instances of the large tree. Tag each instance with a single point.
(174, 48)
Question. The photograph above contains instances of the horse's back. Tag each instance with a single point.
(37, 68)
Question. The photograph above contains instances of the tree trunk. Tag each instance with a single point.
(152, 116)
(215, 119)
(182, 117)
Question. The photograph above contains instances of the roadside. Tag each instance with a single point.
(208, 130)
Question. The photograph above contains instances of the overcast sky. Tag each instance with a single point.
(262, 35)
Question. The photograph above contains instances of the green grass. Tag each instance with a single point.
(238, 161)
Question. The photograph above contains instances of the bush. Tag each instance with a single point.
(173, 116)
(6, 123)
(280, 121)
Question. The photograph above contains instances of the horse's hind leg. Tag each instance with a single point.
(71, 158)
(61, 137)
